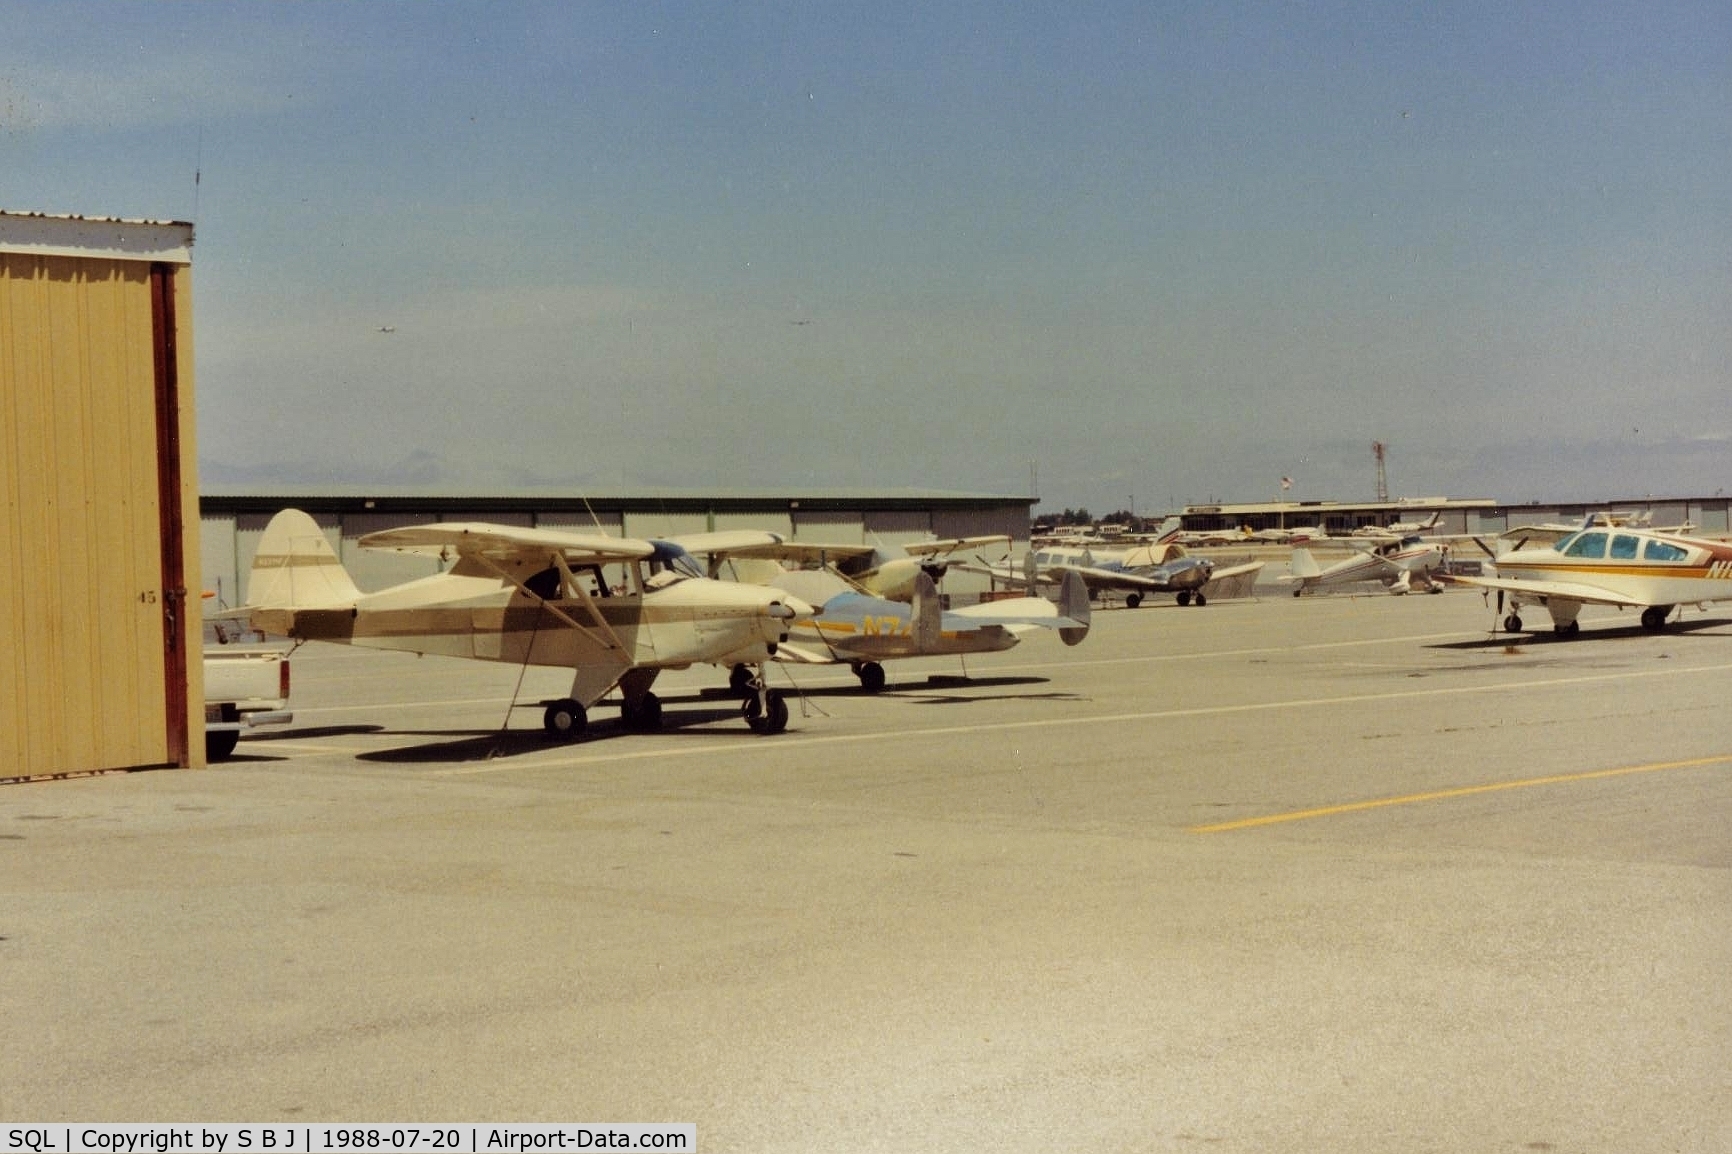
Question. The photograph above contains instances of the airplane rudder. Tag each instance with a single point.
(296, 567)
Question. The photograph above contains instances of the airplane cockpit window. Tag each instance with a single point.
(670, 563)
(1624, 547)
(1664, 551)
(544, 584)
(1585, 545)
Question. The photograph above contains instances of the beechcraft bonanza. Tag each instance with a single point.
(1161, 566)
(1655, 572)
(1402, 564)
(532, 597)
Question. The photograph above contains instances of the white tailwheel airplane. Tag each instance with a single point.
(1402, 564)
(532, 597)
(1655, 572)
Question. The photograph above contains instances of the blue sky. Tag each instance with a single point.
(1144, 253)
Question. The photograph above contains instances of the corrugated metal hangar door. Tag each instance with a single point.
(94, 668)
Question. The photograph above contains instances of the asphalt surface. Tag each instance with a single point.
(1340, 873)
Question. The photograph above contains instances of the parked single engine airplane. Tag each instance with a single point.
(886, 571)
(531, 597)
(1160, 566)
(1395, 562)
(865, 631)
(1631, 568)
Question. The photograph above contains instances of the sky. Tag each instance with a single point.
(1119, 256)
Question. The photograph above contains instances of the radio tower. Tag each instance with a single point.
(1382, 481)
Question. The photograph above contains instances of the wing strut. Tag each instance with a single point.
(569, 582)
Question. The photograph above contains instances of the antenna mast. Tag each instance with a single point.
(1382, 481)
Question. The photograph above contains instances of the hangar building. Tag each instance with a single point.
(232, 522)
(99, 513)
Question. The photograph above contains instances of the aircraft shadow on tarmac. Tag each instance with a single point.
(896, 689)
(1590, 632)
(692, 715)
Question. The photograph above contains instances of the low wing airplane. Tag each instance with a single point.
(1160, 566)
(865, 631)
(1395, 562)
(531, 597)
(1631, 568)
(887, 571)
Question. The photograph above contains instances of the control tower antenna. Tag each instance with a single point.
(1377, 448)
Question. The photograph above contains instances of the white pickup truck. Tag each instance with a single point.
(243, 688)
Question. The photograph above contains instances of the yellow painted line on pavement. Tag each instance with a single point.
(1462, 791)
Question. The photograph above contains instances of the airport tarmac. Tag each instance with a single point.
(1336, 873)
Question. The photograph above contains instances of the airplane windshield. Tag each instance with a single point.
(670, 563)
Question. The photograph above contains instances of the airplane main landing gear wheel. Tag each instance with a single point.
(1568, 629)
(564, 720)
(740, 679)
(1654, 616)
(766, 712)
(1132, 600)
(646, 714)
(1183, 597)
(1200, 599)
(871, 675)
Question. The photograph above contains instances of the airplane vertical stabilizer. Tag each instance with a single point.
(296, 568)
(1073, 602)
(928, 621)
(1303, 565)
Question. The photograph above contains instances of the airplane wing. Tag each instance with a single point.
(1071, 616)
(927, 548)
(1542, 591)
(1111, 578)
(1227, 572)
(505, 542)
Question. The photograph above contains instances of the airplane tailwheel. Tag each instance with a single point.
(871, 675)
(1132, 600)
(1512, 624)
(564, 720)
(766, 712)
(646, 714)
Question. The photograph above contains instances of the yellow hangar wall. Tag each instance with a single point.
(100, 645)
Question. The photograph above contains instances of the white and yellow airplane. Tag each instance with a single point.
(1630, 568)
(532, 597)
